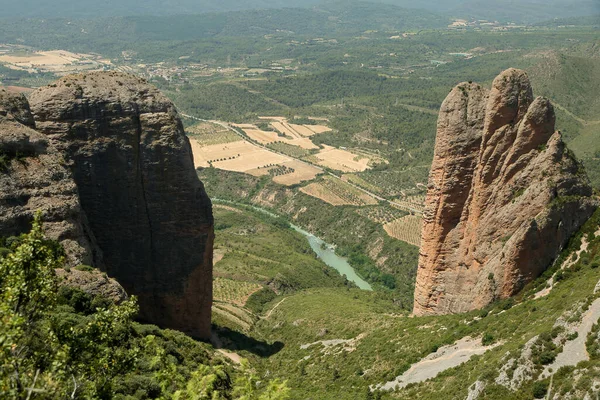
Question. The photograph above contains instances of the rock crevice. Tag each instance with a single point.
(504, 197)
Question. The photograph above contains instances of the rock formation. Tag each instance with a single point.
(504, 196)
(148, 210)
(33, 177)
(105, 157)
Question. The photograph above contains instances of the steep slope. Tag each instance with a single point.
(133, 167)
(504, 196)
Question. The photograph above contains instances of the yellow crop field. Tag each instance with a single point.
(240, 156)
(407, 229)
(303, 130)
(53, 61)
(268, 137)
(318, 128)
(342, 160)
(262, 137)
(301, 172)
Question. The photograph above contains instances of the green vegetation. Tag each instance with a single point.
(354, 235)
(68, 344)
(383, 342)
(265, 250)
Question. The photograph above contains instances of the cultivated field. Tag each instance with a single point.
(407, 229)
(342, 160)
(56, 61)
(268, 137)
(381, 214)
(358, 181)
(240, 156)
(336, 192)
(322, 193)
(243, 156)
(301, 172)
(289, 150)
(294, 130)
(207, 133)
(318, 128)
(415, 202)
(235, 292)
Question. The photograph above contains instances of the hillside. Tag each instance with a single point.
(367, 343)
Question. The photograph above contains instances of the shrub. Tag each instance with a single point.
(487, 339)
(540, 388)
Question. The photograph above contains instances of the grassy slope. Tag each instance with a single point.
(263, 250)
(392, 341)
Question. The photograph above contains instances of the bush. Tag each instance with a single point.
(540, 388)
(487, 339)
(257, 301)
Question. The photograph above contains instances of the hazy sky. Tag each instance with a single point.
(531, 9)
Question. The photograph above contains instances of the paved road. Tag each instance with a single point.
(371, 194)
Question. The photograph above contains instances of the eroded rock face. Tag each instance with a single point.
(33, 178)
(133, 167)
(504, 196)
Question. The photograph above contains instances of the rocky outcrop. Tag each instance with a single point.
(504, 196)
(94, 283)
(150, 215)
(33, 178)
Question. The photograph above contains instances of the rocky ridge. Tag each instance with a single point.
(504, 196)
(115, 172)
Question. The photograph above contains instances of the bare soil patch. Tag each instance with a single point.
(342, 160)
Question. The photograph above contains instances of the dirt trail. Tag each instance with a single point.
(575, 351)
(444, 358)
(575, 117)
(273, 309)
(217, 344)
(567, 264)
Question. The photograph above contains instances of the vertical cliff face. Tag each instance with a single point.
(504, 196)
(33, 178)
(133, 167)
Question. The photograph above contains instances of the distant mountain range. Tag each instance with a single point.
(527, 11)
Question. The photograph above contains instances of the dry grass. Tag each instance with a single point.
(322, 193)
(342, 160)
(240, 156)
(267, 137)
(52, 61)
(318, 128)
(407, 229)
(302, 172)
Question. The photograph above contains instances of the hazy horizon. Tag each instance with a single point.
(517, 10)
